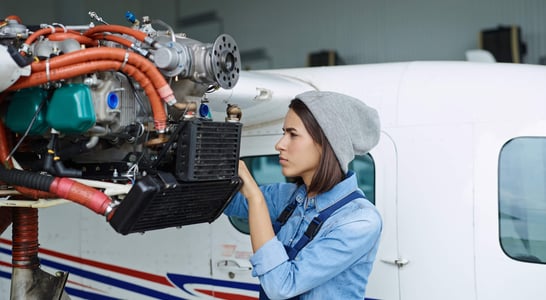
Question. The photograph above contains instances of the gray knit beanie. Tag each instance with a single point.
(351, 127)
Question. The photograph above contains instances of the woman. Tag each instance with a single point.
(322, 133)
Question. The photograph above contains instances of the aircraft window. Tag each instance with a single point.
(522, 199)
(266, 170)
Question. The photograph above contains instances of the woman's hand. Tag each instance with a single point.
(261, 229)
(250, 188)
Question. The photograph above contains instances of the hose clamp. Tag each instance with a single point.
(110, 209)
(47, 71)
(125, 59)
(60, 25)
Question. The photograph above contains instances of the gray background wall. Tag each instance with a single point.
(361, 31)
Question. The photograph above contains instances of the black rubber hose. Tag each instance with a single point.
(26, 179)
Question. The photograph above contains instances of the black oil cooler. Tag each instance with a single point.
(201, 185)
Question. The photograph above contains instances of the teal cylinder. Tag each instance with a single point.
(71, 109)
(23, 107)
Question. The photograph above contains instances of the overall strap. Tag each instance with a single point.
(263, 296)
(285, 214)
(311, 231)
(317, 222)
(279, 222)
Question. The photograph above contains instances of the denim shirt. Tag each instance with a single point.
(336, 263)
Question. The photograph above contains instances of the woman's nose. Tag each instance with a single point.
(280, 144)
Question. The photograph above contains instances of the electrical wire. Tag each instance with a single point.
(27, 131)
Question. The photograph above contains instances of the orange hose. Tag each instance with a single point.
(117, 54)
(14, 17)
(60, 36)
(139, 35)
(86, 37)
(103, 53)
(114, 38)
(70, 71)
(44, 31)
(158, 110)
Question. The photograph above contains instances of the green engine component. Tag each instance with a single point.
(22, 108)
(71, 110)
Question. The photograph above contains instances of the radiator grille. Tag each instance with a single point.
(208, 150)
(157, 202)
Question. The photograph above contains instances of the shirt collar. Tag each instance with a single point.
(327, 199)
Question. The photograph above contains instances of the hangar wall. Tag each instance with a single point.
(284, 31)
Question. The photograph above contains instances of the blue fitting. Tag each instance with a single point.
(204, 111)
(130, 17)
(112, 100)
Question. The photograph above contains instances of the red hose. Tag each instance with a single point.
(25, 238)
(63, 187)
(82, 194)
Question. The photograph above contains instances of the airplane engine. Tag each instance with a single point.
(87, 105)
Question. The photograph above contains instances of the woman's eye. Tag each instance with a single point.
(290, 133)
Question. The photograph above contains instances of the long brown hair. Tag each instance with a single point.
(329, 172)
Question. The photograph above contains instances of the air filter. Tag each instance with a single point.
(161, 201)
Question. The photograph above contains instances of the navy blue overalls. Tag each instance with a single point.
(311, 231)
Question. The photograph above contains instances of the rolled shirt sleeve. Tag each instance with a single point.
(344, 248)
(335, 264)
(277, 196)
(268, 257)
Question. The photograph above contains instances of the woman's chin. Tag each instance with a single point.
(286, 173)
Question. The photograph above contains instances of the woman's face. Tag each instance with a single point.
(299, 155)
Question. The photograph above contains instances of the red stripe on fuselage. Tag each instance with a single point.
(225, 296)
(117, 269)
